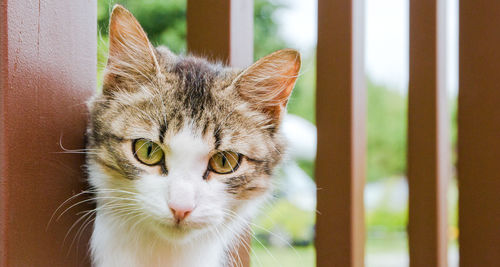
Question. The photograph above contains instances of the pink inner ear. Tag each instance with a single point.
(289, 80)
(269, 82)
(283, 86)
(131, 56)
(126, 34)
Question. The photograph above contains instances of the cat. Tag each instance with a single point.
(182, 150)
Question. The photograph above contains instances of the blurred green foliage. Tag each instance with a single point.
(386, 133)
(278, 220)
(163, 20)
(264, 256)
(383, 218)
(266, 36)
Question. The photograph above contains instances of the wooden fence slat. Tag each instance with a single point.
(47, 72)
(223, 30)
(340, 113)
(428, 142)
(479, 133)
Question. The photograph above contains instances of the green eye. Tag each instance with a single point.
(147, 152)
(224, 162)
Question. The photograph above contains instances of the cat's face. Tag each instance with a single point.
(181, 146)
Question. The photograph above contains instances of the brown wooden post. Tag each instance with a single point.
(479, 133)
(428, 142)
(47, 72)
(223, 30)
(340, 113)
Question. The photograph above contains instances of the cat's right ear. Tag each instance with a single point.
(131, 58)
(268, 83)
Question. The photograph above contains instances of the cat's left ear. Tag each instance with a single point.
(268, 83)
(131, 55)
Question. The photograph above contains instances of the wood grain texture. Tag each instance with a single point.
(47, 72)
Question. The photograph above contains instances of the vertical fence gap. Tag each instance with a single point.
(222, 30)
(340, 113)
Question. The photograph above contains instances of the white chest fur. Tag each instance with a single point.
(114, 245)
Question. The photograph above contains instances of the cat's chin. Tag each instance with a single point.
(180, 233)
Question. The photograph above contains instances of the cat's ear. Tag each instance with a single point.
(268, 83)
(131, 55)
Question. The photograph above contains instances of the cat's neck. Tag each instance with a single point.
(114, 244)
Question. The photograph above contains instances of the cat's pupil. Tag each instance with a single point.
(224, 161)
(150, 148)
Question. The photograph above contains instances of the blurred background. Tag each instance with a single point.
(284, 233)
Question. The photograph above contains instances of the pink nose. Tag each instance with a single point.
(180, 212)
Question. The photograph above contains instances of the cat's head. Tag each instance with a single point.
(179, 145)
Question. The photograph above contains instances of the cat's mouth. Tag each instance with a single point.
(180, 232)
(183, 226)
